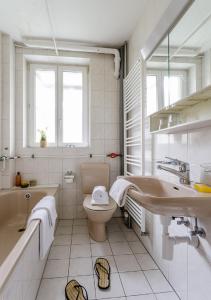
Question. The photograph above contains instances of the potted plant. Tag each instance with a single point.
(43, 138)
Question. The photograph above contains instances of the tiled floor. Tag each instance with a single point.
(135, 276)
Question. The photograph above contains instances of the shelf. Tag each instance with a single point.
(184, 127)
(202, 95)
(181, 109)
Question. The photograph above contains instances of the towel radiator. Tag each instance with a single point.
(136, 212)
(134, 119)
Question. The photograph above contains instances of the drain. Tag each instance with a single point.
(21, 229)
(27, 196)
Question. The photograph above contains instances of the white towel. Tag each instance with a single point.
(46, 230)
(100, 196)
(48, 203)
(119, 190)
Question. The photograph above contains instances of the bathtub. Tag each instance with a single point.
(20, 266)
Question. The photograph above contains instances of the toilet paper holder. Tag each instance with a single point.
(69, 177)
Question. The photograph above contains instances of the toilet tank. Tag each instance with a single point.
(93, 174)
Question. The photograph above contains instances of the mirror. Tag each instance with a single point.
(181, 65)
(157, 72)
(190, 52)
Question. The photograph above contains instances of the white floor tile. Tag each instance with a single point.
(56, 268)
(157, 281)
(116, 237)
(80, 229)
(167, 296)
(80, 266)
(79, 239)
(135, 283)
(142, 297)
(66, 223)
(119, 298)
(137, 247)
(80, 251)
(146, 262)
(121, 248)
(101, 249)
(59, 252)
(52, 289)
(113, 228)
(114, 221)
(115, 289)
(61, 240)
(126, 263)
(111, 263)
(88, 283)
(64, 230)
(131, 236)
(80, 222)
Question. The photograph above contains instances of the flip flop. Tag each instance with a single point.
(102, 269)
(75, 291)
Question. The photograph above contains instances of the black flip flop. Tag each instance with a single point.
(75, 291)
(103, 270)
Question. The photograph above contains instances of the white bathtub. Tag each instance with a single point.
(20, 266)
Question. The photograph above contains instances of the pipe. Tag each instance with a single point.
(67, 46)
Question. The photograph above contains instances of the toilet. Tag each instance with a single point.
(93, 174)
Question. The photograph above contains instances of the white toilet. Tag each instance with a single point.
(93, 174)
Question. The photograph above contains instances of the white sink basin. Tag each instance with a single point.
(168, 199)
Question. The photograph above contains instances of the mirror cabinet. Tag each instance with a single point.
(178, 75)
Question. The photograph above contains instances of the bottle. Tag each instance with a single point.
(18, 179)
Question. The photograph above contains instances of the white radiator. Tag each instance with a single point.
(136, 212)
(134, 118)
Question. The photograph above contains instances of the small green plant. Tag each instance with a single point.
(43, 138)
(43, 135)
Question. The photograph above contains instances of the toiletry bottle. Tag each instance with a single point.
(18, 179)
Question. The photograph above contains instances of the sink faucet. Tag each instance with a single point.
(184, 169)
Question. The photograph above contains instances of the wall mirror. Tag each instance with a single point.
(181, 65)
(157, 78)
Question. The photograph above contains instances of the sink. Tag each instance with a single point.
(169, 199)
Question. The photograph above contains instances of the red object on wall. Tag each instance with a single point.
(113, 155)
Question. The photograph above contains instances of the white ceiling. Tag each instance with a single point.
(100, 22)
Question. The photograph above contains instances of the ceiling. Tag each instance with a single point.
(99, 22)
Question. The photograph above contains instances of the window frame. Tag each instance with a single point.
(160, 74)
(31, 118)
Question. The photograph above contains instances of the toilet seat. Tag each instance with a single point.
(87, 203)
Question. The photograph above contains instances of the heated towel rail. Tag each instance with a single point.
(134, 134)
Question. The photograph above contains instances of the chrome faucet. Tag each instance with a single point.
(184, 169)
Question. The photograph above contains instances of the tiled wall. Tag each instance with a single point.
(187, 268)
(104, 132)
(151, 16)
(7, 107)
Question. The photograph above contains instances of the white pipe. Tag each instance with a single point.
(51, 26)
(67, 46)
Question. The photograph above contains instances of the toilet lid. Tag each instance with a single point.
(87, 203)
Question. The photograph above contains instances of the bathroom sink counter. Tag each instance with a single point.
(169, 199)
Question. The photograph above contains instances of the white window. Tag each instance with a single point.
(58, 104)
(163, 90)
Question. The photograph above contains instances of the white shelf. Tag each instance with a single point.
(202, 95)
(178, 108)
(184, 127)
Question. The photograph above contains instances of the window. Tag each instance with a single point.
(163, 90)
(58, 105)
(151, 94)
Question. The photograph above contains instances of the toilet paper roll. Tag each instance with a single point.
(100, 196)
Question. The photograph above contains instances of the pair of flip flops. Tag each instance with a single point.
(75, 291)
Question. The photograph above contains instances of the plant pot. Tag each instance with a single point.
(43, 144)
